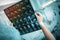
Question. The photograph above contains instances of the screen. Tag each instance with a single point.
(22, 16)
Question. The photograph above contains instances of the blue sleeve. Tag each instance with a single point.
(9, 33)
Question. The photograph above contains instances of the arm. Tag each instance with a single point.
(46, 32)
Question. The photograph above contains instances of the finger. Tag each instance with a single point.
(11, 24)
(38, 13)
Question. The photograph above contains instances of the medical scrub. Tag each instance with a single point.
(8, 33)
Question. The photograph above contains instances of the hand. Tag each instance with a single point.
(39, 17)
(11, 24)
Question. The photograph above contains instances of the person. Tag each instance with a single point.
(10, 33)
(47, 33)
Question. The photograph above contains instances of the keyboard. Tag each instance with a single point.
(22, 16)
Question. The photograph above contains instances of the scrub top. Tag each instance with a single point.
(8, 33)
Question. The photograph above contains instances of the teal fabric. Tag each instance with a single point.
(8, 33)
